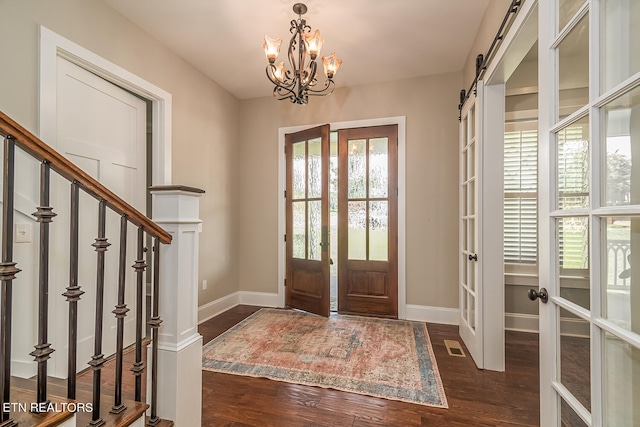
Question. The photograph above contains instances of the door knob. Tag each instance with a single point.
(473, 257)
(542, 294)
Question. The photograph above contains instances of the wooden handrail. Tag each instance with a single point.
(41, 151)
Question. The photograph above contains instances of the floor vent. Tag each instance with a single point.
(454, 348)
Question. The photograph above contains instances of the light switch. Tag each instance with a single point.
(23, 233)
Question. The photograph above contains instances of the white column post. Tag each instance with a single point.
(176, 209)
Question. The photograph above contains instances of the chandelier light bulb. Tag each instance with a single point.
(313, 42)
(331, 64)
(271, 48)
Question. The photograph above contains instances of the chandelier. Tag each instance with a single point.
(300, 81)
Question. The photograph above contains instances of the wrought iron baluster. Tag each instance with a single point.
(44, 215)
(139, 266)
(97, 360)
(155, 323)
(120, 313)
(73, 292)
(8, 271)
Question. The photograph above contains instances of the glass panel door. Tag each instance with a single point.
(590, 213)
(470, 330)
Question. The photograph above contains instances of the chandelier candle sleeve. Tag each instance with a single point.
(299, 80)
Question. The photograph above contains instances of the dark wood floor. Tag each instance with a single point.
(476, 397)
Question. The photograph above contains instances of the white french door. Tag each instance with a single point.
(470, 286)
(589, 160)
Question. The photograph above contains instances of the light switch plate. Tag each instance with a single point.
(23, 233)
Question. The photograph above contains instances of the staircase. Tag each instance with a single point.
(81, 399)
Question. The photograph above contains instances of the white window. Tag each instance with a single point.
(521, 192)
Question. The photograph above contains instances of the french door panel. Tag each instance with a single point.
(368, 221)
(470, 328)
(307, 218)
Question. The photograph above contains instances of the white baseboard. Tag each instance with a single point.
(521, 322)
(23, 369)
(423, 313)
(212, 309)
(529, 323)
(263, 299)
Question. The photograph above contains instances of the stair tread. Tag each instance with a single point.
(133, 411)
(162, 423)
(24, 417)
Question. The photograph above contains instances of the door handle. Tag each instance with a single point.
(473, 257)
(330, 261)
(542, 294)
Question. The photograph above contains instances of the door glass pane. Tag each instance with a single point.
(621, 373)
(621, 41)
(333, 213)
(566, 10)
(464, 132)
(568, 417)
(471, 208)
(472, 161)
(315, 168)
(357, 174)
(299, 170)
(465, 305)
(379, 231)
(378, 167)
(621, 118)
(465, 233)
(573, 251)
(573, 165)
(315, 229)
(575, 366)
(299, 230)
(472, 274)
(622, 240)
(465, 199)
(472, 312)
(472, 236)
(573, 69)
(357, 218)
(472, 122)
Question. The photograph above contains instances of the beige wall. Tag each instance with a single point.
(430, 107)
(205, 117)
(484, 37)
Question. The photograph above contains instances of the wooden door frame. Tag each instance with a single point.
(402, 273)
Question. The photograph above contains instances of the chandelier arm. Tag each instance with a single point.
(328, 89)
(279, 88)
(285, 83)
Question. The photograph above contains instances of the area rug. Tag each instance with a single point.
(392, 359)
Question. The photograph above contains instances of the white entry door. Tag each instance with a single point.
(470, 286)
(589, 148)
(102, 129)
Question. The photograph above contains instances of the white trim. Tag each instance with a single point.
(424, 313)
(213, 308)
(261, 299)
(53, 46)
(530, 323)
(219, 306)
(402, 224)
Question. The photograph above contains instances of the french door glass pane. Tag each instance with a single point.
(621, 247)
(357, 234)
(573, 69)
(472, 236)
(299, 170)
(472, 312)
(575, 366)
(573, 165)
(472, 122)
(379, 231)
(621, 371)
(357, 174)
(471, 281)
(568, 417)
(315, 229)
(621, 41)
(315, 168)
(573, 251)
(621, 117)
(299, 230)
(472, 160)
(378, 167)
(566, 10)
(471, 208)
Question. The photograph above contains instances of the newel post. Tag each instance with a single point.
(176, 209)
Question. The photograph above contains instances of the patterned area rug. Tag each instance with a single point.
(392, 359)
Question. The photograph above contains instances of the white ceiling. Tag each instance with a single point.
(378, 40)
